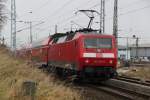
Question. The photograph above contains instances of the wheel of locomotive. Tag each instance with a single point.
(68, 75)
(64, 74)
(58, 72)
(43, 67)
(51, 69)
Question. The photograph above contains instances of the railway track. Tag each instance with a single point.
(134, 80)
(126, 88)
(121, 93)
(123, 87)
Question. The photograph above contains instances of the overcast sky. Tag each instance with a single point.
(134, 17)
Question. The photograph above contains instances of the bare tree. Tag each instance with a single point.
(3, 18)
(3, 13)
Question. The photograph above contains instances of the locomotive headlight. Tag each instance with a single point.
(86, 61)
(110, 61)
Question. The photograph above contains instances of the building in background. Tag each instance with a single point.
(132, 52)
(142, 51)
(123, 52)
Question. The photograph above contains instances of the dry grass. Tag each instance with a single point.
(140, 72)
(14, 72)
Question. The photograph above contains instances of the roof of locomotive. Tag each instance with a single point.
(61, 38)
(92, 34)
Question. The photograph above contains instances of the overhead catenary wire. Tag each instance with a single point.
(75, 15)
(81, 5)
(130, 4)
(55, 12)
(132, 11)
(26, 28)
(92, 7)
(49, 26)
(48, 1)
(135, 10)
(127, 6)
(60, 9)
(42, 6)
(129, 12)
(72, 15)
(37, 9)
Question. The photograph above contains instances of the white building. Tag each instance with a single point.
(142, 51)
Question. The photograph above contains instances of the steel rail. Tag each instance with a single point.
(134, 80)
(123, 93)
(112, 91)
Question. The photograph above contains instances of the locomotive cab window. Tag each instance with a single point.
(54, 40)
(70, 36)
(104, 43)
(62, 39)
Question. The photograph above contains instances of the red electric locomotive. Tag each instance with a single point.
(83, 54)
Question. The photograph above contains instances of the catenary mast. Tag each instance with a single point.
(115, 20)
(13, 25)
(102, 17)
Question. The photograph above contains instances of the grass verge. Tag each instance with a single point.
(13, 72)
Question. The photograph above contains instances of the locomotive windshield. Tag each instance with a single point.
(105, 43)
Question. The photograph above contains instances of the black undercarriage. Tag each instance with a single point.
(100, 74)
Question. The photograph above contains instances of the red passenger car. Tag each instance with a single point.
(39, 51)
(24, 52)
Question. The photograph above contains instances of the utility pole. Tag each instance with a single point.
(115, 21)
(137, 45)
(102, 17)
(3, 41)
(127, 48)
(49, 32)
(13, 25)
(31, 39)
(56, 28)
(0, 37)
(30, 27)
(71, 28)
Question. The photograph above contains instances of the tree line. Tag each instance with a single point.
(3, 17)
